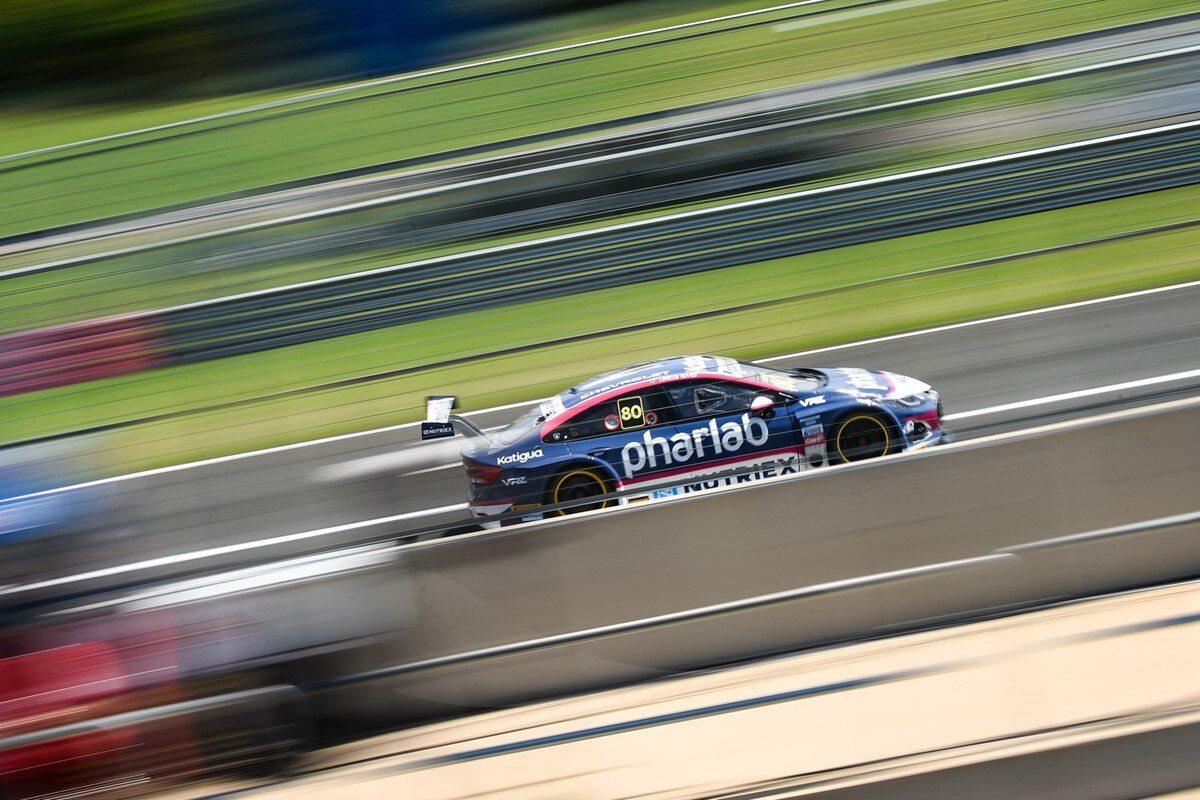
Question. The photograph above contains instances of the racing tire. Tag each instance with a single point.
(862, 435)
(460, 531)
(574, 485)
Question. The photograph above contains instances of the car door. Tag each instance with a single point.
(726, 435)
(631, 434)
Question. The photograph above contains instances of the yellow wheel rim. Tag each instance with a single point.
(887, 439)
(566, 476)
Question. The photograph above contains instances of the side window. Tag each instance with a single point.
(631, 412)
(695, 399)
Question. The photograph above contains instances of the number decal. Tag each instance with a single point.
(632, 413)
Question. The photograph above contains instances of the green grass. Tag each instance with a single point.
(24, 129)
(177, 275)
(380, 126)
(793, 319)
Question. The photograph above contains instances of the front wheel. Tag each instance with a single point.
(863, 436)
(577, 485)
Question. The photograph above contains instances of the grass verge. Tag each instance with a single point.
(382, 126)
(189, 272)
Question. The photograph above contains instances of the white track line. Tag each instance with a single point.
(526, 403)
(408, 76)
(1058, 398)
(244, 546)
(211, 552)
(972, 323)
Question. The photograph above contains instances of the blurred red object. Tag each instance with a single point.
(59, 687)
(81, 351)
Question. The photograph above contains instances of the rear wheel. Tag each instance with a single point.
(575, 486)
(862, 436)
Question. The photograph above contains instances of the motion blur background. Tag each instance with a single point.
(61, 53)
(241, 242)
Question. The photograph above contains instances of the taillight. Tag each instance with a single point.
(482, 473)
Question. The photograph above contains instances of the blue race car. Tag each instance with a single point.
(686, 424)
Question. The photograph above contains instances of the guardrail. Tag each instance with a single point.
(682, 243)
(291, 702)
(737, 233)
(966, 531)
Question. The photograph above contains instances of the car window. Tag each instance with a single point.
(644, 409)
(692, 399)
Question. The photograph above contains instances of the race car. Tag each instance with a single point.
(685, 424)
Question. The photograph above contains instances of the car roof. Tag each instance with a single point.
(650, 373)
(629, 376)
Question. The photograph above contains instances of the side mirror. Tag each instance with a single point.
(763, 406)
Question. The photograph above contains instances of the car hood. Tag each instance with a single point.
(871, 382)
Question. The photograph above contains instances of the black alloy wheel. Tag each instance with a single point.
(577, 485)
(862, 436)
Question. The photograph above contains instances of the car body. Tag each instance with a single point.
(692, 423)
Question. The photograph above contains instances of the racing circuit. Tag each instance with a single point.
(1015, 609)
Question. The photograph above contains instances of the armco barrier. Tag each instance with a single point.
(681, 244)
(79, 352)
(850, 552)
(691, 242)
(975, 503)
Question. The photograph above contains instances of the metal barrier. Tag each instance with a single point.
(690, 242)
(864, 550)
(679, 244)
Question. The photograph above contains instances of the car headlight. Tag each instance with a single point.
(911, 401)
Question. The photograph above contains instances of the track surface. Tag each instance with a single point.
(977, 366)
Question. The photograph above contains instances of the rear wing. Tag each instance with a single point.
(440, 423)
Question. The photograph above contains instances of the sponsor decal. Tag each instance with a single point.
(616, 384)
(815, 445)
(790, 465)
(862, 379)
(632, 413)
(612, 422)
(659, 494)
(439, 406)
(436, 430)
(517, 481)
(520, 457)
(658, 452)
(809, 402)
(651, 418)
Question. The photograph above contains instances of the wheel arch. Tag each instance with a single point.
(600, 468)
(863, 409)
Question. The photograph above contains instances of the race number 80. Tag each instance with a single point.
(632, 413)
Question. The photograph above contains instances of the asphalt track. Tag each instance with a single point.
(387, 475)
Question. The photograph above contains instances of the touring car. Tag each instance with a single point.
(685, 424)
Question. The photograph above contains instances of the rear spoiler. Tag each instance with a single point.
(440, 423)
